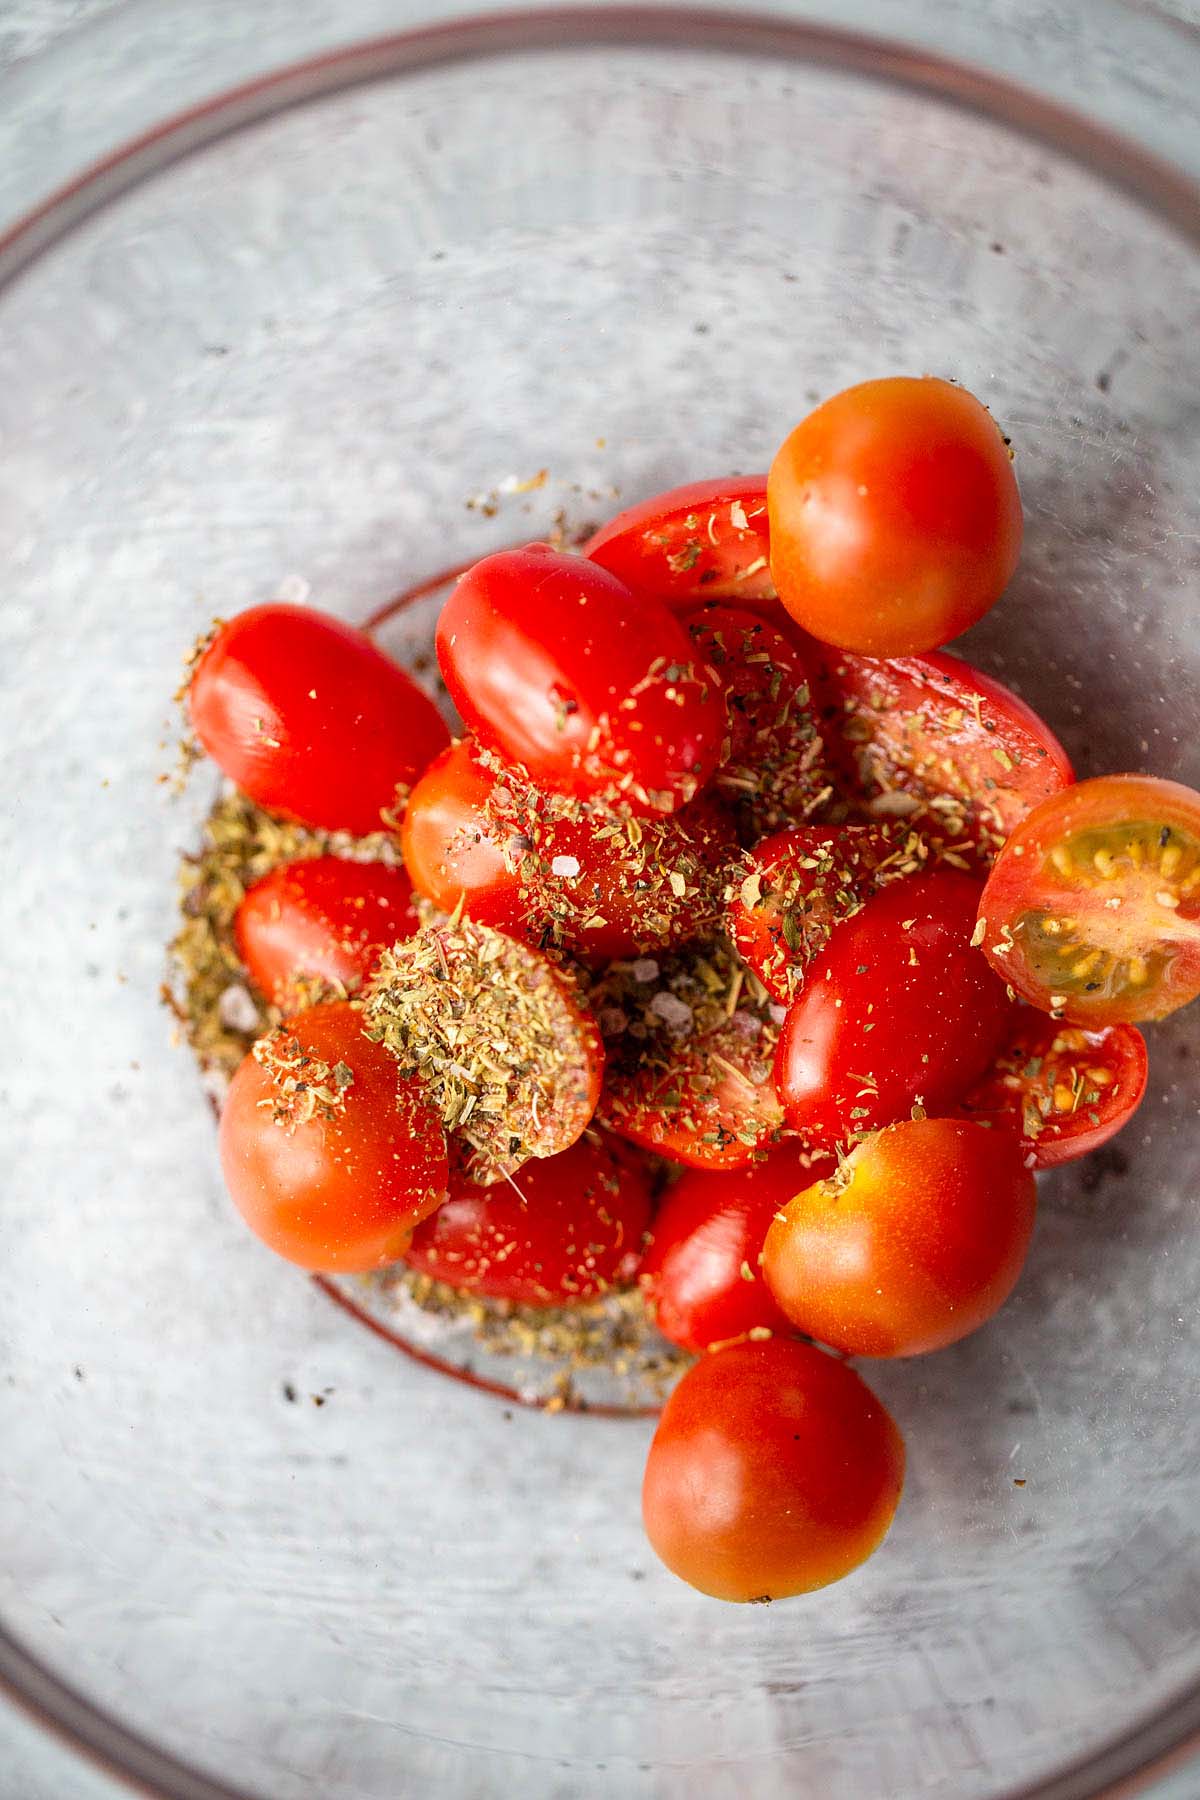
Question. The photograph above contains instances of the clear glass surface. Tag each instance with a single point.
(294, 357)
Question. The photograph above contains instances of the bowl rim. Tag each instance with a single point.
(1166, 1737)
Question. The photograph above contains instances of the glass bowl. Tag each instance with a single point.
(303, 299)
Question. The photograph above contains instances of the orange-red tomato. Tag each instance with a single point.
(706, 541)
(915, 1242)
(894, 515)
(328, 1155)
(592, 884)
(593, 689)
(1065, 1090)
(701, 1268)
(795, 888)
(1092, 912)
(324, 918)
(570, 1228)
(310, 718)
(939, 747)
(774, 1471)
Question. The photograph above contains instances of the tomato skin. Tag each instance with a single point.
(1064, 1090)
(577, 1232)
(917, 1241)
(324, 917)
(898, 999)
(707, 540)
(310, 718)
(922, 729)
(1074, 861)
(708, 1231)
(774, 1471)
(492, 843)
(816, 876)
(339, 1194)
(895, 518)
(772, 768)
(594, 690)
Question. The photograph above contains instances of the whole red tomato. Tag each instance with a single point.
(328, 1155)
(311, 719)
(701, 1270)
(324, 918)
(898, 1010)
(705, 541)
(774, 1471)
(894, 514)
(594, 690)
(570, 1228)
(915, 1242)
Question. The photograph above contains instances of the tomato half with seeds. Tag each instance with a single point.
(894, 515)
(1064, 1089)
(570, 1229)
(707, 540)
(563, 875)
(1092, 912)
(795, 888)
(323, 920)
(330, 1158)
(774, 1471)
(916, 1241)
(701, 1269)
(594, 690)
(899, 1010)
(311, 719)
(772, 769)
(933, 743)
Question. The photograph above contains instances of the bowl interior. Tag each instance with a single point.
(328, 355)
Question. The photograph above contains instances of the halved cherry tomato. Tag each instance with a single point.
(311, 719)
(1092, 912)
(328, 1156)
(596, 691)
(701, 1270)
(571, 1228)
(324, 919)
(707, 540)
(772, 767)
(895, 516)
(1065, 1090)
(556, 873)
(689, 1059)
(774, 1471)
(799, 885)
(915, 1242)
(898, 1010)
(933, 743)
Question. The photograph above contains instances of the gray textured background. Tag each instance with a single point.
(33, 1767)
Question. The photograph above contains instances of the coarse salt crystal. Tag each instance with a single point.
(565, 865)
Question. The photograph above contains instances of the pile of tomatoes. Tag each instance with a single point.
(731, 867)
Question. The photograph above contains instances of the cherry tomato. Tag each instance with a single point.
(330, 1158)
(704, 541)
(573, 1230)
(772, 765)
(1092, 912)
(933, 743)
(583, 881)
(311, 719)
(898, 1010)
(915, 1242)
(556, 665)
(324, 918)
(701, 1270)
(774, 1471)
(1065, 1090)
(799, 885)
(894, 515)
